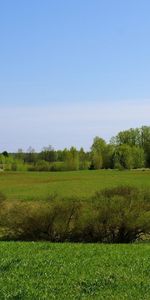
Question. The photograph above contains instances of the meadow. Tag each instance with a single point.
(39, 185)
(44, 270)
(74, 271)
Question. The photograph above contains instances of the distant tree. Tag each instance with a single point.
(48, 154)
(97, 160)
(72, 159)
(31, 155)
(60, 156)
(123, 157)
(145, 143)
(129, 137)
(83, 159)
(138, 157)
(42, 165)
(139, 137)
(20, 154)
(97, 152)
(2, 161)
(5, 153)
(108, 156)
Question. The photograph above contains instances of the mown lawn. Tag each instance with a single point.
(74, 271)
(36, 185)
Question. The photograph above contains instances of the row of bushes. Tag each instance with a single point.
(43, 166)
(117, 215)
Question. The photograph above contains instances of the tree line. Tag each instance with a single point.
(129, 149)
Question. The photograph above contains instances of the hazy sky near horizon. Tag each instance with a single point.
(71, 70)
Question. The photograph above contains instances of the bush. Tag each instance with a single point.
(123, 213)
(116, 215)
(57, 166)
(42, 165)
(18, 166)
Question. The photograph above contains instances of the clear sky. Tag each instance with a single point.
(72, 69)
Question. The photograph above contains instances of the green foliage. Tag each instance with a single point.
(138, 157)
(127, 157)
(119, 215)
(124, 213)
(57, 166)
(129, 149)
(97, 160)
(48, 154)
(139, 137)
(72, 159)
(9, 163)
(18, 165)
(97, 152)
(99, 145)
(108, 156)
(42, 165)
(83, 160)
(123, 157)
(5, 154)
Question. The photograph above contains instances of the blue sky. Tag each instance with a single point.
(70, 70)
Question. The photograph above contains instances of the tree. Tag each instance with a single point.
(2, 161)
(97, 152)
(72, 159)
(139, 137)
(31, 156)
(83, 159)
(20, 154)
(108, 156)
(42, 165)
(145, 143)
(138, 157)
(48, 154)
(97, 160)
(5, 153)
(123, 157)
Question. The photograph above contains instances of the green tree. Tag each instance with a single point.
(108, 156)
(48, 154)
(139, 137)
(72, 159)
(145, 143)
(123, 157)
(138, 157)
(83, 159)
(31, 156)
(97, 152)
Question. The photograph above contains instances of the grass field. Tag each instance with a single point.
(43, 270)
(74, 271)
(35, 185)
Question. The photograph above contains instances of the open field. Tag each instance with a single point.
(36, 185)
(74, 271)
(43, 270)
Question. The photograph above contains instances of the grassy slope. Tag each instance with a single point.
(27, 186)
(74, 271)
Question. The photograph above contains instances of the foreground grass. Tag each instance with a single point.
(74, 271)
(36, 185)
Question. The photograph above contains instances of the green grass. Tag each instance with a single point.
(35, 185)
(74, 271)
(43, 270)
